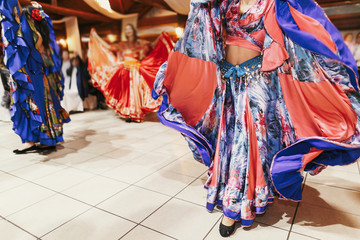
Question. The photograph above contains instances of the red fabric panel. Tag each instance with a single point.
(150, 64)
(272, 27)
(318, 109)
(310, 25)
(275, 54)
(255, 174)
(310, 156)
(118, 87)
(190, 84)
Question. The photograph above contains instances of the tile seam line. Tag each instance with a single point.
(12, 223)
(297, 207)
(173, 197)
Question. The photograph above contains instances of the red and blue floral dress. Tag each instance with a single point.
(258, 125)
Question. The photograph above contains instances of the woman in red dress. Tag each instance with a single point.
(127, 79)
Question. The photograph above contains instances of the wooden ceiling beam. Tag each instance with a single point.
(144, 12)
(344, 16)
(101, 28)
(346, 21)
(156, 3)
(338, 3)
(157, 21)
(70, 12)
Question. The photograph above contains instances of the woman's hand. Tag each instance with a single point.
(35, 4)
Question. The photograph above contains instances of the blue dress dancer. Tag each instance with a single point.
(32, 57)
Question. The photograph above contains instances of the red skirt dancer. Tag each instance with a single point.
(126, 81)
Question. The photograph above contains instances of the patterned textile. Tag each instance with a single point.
(36, 83)
(269, 118)
(248, 26)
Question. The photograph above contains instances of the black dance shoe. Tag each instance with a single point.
(25, 150)
(226, 231)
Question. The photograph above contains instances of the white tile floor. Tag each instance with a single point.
(115, 180)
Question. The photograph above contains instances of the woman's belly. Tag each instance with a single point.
(237, 55)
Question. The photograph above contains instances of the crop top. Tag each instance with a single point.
(247, 29)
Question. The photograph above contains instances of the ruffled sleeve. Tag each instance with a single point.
(309, 27)
(15, 48)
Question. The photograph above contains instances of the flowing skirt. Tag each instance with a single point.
(262, 123)
(127, 85)
(263, 129)
(253, 127)
(128, 93)
(37, 114)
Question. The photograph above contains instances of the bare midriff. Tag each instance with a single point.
(237, 55)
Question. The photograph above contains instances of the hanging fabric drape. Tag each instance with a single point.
(182, 7)
(72, 33)
(106, 10)
(121, 5)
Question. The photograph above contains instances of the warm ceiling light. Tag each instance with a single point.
(85, 39)
(62, 42)
(179, 31)
(111, 37)
(104, 4)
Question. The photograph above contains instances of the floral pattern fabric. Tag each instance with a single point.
(248, 121)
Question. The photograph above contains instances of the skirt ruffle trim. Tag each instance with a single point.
(245, 221)
(125, 112)
(288, 163)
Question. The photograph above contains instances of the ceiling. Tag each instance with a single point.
(88, 17)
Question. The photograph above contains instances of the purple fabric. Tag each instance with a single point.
(202, 146)
(17, 54)
(309, 41)
(34, 67)
(56, 53)
(5, 5)
(286, 164)
(20, 52)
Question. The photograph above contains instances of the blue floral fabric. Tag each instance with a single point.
(221, 139)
